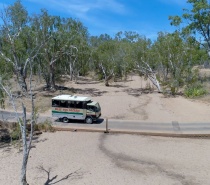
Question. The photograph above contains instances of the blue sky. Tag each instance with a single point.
(147, 17)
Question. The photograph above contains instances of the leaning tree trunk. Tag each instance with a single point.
(155, 82)
(106, 82)
(107, 78)
(147, 71)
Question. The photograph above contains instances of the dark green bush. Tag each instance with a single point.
(195, 90)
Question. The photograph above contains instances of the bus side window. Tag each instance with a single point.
(55, 103)
(78, 104)
(63, 103)
(71, 104)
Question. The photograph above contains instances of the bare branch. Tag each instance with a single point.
(5, 58)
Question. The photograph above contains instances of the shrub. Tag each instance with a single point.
(195, 90)
(45, 126)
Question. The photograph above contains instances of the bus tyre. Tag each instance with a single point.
(88, 120)
(65, 120)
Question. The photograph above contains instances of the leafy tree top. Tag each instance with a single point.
(196, 19)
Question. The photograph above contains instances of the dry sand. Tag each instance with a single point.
(125, 100)
(100, 159)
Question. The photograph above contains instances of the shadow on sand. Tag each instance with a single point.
(138, 91)
(54, 180)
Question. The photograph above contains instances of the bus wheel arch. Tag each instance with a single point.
(65, 119)
(89, 120)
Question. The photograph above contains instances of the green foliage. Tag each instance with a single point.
(175, 58)
(66, 45)
(195, 90)
(174, 86)
(196, 21)
(15, 27)
(66, 49)
(105, 55)
(16, 133)
(18, 14)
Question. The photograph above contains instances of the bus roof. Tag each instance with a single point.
(71, 98)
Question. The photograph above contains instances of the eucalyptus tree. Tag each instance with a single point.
(47, 27)
(196, 22)
(176, 57)
(144, 61)
(18, 44)
(125, 52)
(112, 57)
(100, 62)
(77, 55)
(104, 57)
(18, 48)
(61, 54)
(124, 60)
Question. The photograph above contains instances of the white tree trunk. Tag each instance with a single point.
(155, 82)
(148, 72)
(22, 124)
(107, 74)
(25, 148)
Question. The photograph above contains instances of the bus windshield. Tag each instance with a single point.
(98, 108)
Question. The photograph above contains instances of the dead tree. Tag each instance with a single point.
(22, 121)
(147, 71)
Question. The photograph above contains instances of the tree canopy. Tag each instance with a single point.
(196, 21)
(59, 46)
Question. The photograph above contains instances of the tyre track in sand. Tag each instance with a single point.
(143, 166)
(140, 109)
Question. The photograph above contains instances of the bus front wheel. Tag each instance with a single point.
(89, 120)
(65, 120)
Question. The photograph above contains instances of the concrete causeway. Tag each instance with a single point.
(172, 129)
